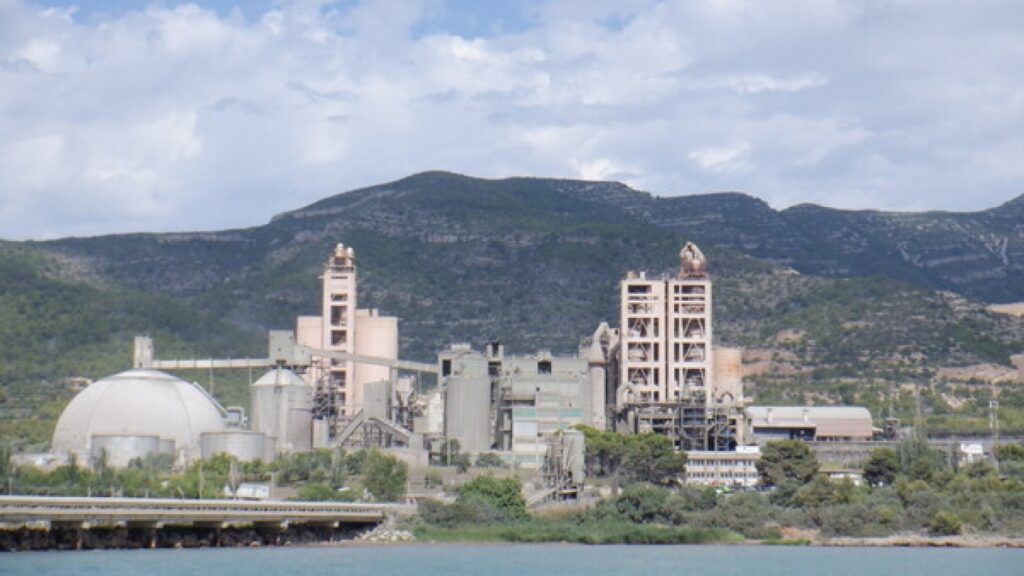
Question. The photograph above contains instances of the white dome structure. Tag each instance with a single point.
(126, 412)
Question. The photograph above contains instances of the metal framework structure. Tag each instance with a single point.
(285, 352)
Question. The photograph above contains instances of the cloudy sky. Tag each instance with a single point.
(125, 115)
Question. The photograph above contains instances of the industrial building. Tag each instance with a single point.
(810, 423)
(337, 380)
(661, 373)
(137, 413)
(340, 384)
(734, 468)
(513, 404)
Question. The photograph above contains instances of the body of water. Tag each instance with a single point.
(522, 560)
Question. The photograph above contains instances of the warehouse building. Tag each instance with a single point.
(810, 423)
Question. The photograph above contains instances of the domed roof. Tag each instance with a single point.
(138, 403)
(280, 377)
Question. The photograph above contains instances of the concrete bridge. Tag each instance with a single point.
(75, 523)
(86, 513)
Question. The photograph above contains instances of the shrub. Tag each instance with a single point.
(384, 476)
(433, 479)
(641, 504)
(503, 495)
(945, 523)
(489, 460)
(322, 492)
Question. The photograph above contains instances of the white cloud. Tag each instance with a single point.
(726, 159)
(166, 118)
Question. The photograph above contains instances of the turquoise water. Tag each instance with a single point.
(522, 560)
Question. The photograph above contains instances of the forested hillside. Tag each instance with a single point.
(831, 305)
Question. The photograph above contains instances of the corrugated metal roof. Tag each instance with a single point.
(830, 421)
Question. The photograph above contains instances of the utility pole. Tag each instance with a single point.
(918, 419)
(993, 425)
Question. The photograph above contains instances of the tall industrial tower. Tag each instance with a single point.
(339, 311)
(342, 327)
(666, 332)
(690, 327)
(668, 382)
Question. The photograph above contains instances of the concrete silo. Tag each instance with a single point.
(282, 409)
(376, 336)
(468, 412)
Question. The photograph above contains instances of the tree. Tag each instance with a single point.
(338, 469)
(882, 466)
(652, 458)
(504, 495)
(489, 460)
(384, 476)
(784, 460)
(6, 465)
(633, 457)
(919, 461)
(455, 457)
(1010, 453)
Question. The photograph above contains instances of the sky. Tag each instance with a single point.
(122, 116)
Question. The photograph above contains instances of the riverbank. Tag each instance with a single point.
(26, 538)
(557, 533)
(566, 532)
(916, 541)
(576, 533)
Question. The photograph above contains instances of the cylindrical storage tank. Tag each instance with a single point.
(374, 336)
(269, 449)
(575, 450)
(468, 412)
(121, 449)
(167, 446)
(727, 375)
(245, 445)
(282, 408)
(376, 400)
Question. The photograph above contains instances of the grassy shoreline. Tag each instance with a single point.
(663, 535)
(573, 532)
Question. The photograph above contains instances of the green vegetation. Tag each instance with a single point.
(57, 325)
(627, 458)
(384, 476)
(489, 460)
(575, 532)
(787, 461)
(503, 495)
(924, 495)
(492, 509)
(319, 475)
(945, 524)
(881, 467)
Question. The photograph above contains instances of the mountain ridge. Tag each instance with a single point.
(820, 302)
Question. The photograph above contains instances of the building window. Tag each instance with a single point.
(544, 367)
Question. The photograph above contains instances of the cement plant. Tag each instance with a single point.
(650, 411)
(338, 380)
